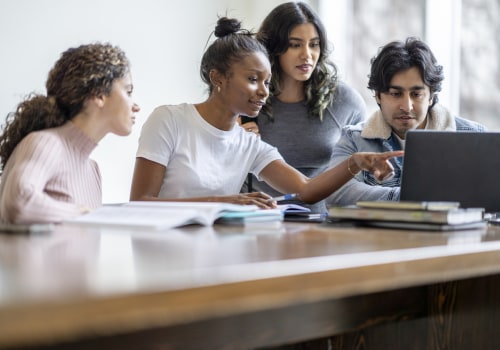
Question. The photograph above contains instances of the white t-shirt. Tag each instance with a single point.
(201, 160)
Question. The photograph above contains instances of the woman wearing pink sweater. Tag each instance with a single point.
(47, 174)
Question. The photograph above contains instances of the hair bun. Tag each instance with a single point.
(226, 26)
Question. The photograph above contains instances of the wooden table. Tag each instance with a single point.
(230, 287)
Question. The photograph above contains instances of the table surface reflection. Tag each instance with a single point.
(55, 285)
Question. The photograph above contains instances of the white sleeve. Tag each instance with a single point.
(157, 139)
(265, 154)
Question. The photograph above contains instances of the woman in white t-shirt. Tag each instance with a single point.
(198, 153)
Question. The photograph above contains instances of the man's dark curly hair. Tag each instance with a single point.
(398, 56)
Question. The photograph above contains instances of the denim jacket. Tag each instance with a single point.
(375, 135)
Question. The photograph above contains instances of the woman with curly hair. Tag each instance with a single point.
(308, 105)
(47, 174)
(197, 152)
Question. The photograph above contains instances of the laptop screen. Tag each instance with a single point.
(452, 166)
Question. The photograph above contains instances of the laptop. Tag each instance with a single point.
(452, 166)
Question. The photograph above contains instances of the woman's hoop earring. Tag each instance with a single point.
(218, 89)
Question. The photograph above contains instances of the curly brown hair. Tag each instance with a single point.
(80, 73)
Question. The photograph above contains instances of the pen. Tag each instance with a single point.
(284, 197)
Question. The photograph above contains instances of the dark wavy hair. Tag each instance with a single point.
(80, 73)
(274, 34)
(232, 45)
(398, 56)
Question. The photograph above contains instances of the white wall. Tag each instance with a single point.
(164, 40)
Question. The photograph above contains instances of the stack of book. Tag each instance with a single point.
(434, 216)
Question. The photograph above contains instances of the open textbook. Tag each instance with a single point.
(165, 215)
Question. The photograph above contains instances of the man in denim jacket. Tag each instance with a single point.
(405, 79)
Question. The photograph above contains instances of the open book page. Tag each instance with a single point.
(205, 206)
(164, 215)
(121, 216)
(207, 212)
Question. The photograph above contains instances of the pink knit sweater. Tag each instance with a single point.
(49, 177)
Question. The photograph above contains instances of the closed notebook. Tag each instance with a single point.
(298, 213)
(428, 226)
(250, 217)
(292, 208)
(415, 205)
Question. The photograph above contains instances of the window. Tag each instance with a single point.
(462, 35)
